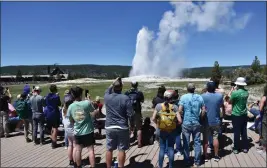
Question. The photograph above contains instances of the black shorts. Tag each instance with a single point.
(85, 140)
(54, 123)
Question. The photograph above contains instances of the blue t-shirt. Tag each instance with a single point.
(213, 103)
(192, 104)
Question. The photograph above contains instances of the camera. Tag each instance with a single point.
(86, 92)
(233, 84)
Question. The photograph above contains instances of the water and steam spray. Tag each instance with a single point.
(160, 54)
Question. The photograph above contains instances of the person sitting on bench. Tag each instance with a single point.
(14, 118)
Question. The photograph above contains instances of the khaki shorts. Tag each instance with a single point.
(211, 131)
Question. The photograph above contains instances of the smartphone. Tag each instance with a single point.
(33, 87)
(86, 92)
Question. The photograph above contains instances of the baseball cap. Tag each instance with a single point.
(23, 95)
(191, 86)
(97, 98)
(117, 84)
(211, 85)
(169, 94)
(37, 88)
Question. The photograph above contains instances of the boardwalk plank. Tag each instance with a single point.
(15, 152)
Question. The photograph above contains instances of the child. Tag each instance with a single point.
(68, 127)
(66, 97)
(148, 136)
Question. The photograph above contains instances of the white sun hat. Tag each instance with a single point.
(241, 81)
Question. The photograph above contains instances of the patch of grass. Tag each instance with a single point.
(98, 89)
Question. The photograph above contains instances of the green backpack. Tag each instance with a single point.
(22, 109)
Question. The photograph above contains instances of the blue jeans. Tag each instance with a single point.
(187, 130)
(240, 128)
(66, 139)
(178, 142)
(166, 141)
(157, 135)
(38, 121)
(256, 112)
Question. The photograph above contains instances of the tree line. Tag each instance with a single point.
(255, 73)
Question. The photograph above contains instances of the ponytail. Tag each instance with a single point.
(66, 106)
(166, 104)
(65, 109)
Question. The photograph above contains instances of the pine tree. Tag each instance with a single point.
(216, 72)
(256, 65)
(19, 75)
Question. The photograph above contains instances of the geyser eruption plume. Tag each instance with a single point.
(160, 54)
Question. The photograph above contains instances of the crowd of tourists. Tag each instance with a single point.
(175, 117)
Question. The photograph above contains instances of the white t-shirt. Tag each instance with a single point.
(68, 126)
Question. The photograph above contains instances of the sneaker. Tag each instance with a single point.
(28, 140)
(165, 155)
(206, 159)
(245, 151)
(217, 158)
(66, 147)
(235, 151)
(71, 163)
(53, 145)
(196, 165)
(179, 153)
(260, 148)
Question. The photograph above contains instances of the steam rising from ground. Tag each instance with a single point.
(160, 54)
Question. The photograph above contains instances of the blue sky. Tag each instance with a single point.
(105, 33)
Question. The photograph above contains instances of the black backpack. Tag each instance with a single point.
(134, 97)
(3, 103)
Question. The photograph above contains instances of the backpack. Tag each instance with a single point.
(22, 109)
(133, 94)
(167, 120)
(3, 103)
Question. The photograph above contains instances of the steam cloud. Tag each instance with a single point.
(160, 54)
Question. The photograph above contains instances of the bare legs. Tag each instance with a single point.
(78, 155)
(121, 158)
(109, 155)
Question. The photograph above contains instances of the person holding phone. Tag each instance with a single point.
(79, 113)
(119, 111)
(87, 95)
(238, 99)
(4, 111)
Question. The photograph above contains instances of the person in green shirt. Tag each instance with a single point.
(238, 99)
(79, 112)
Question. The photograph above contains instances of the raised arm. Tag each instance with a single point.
(262, 102)
(93, 112)
(142, 98)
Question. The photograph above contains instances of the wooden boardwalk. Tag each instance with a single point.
(15, 152)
